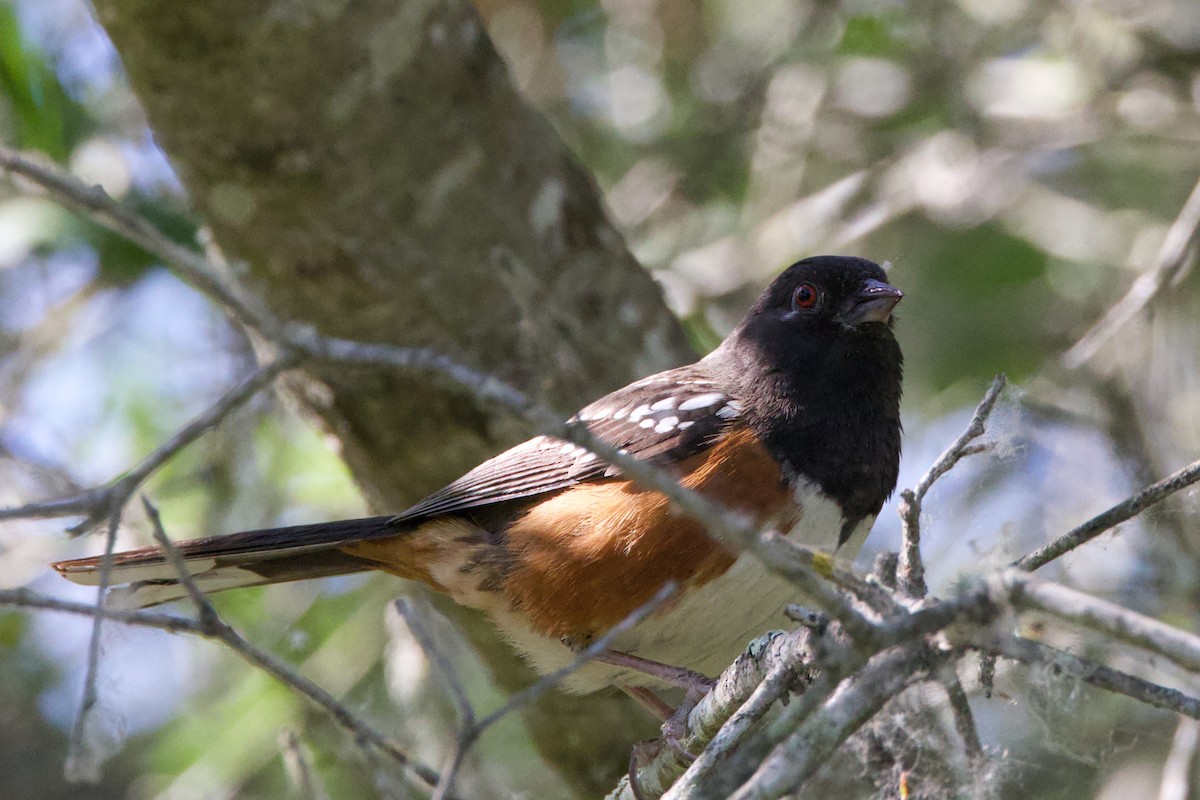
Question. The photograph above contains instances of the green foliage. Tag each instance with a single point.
(42, 115)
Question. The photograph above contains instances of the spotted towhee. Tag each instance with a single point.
(794, 419)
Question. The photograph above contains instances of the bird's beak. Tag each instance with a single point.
(873, 302)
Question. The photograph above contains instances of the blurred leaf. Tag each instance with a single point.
(45, 117)
(871, 35)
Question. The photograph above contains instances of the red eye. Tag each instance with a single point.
(805, 297)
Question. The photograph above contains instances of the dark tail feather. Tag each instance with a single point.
(217, 563)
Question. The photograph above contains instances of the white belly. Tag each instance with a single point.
(707, 627)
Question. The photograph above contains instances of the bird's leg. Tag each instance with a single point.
(674, 720)
(675, 676)
(647, 699)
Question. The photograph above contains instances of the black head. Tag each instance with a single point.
(826, 296)
(818, 371)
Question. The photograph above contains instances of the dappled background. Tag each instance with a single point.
(1018, 163)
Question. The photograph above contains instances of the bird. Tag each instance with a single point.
(793, 420)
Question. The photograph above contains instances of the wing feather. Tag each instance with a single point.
(663, 419)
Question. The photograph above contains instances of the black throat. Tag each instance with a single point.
(827, 405)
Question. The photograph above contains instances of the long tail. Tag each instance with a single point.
(216, 563)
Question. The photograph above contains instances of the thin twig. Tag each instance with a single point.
(361, 730)
(964, 719)
(95, 204)
(911, 572)
(1171, 259)
(295, 762)
(81, 765)
(445, 667)
(211, 624)
(1121, 512)
(208, 616)
(585, 657)
(96, 502)
(416, 625)
(471, 729)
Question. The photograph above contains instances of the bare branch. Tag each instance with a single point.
(858, 699)
(211, 625)
(911, 572)
(83, 764)
(471, 729)
(964, 719)
(1171, 259)
(24, 598)
(734, 731)
(94, 203)
(1121, 512)
(598, 646)
(416, 625)
(1180, 647)
(721, 720)
(204, 607)
(362, 731)
(96, 502)
(1098, 675)
(445, 667)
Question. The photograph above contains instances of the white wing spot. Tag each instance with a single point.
(568, 448)
(663, 405)
(683, 426)
(639, 412)
(665, 424)
(622, 413)
(701, 401)
(647, 423)
(727, 411)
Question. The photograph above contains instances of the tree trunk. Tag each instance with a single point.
(375, 170)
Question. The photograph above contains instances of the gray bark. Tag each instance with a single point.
(374, 169)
